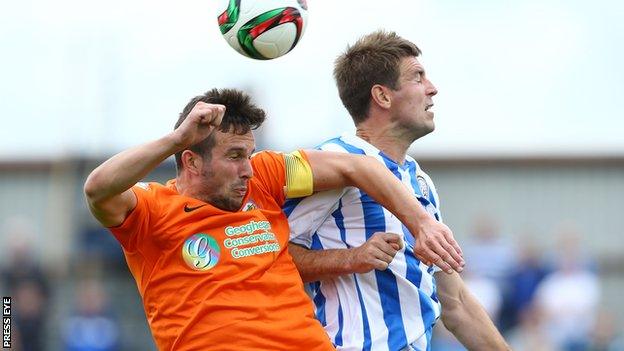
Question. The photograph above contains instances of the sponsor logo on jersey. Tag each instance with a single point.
(191, 209)
(250, 239)
(250, 206)
(201, 252)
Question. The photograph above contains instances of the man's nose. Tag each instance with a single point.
(431, 89)
(246, 171)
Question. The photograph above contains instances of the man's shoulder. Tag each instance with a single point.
(157, 188)
(144, 188)
(267, 161)
(346, 143)
(411, 162)
(264, 156)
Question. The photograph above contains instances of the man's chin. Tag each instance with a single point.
(231, 204)
(237, 203)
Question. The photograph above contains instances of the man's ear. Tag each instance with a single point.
(381, 96)
(192, 162)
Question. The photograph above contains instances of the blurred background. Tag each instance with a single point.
(528, 152)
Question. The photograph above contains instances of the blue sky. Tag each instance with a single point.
(514, 77)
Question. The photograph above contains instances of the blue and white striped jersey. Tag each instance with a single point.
(393, 309)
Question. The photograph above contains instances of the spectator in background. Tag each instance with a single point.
(91, 327)
(96, 245)
(490, 258)
(26, 282)
(523, 281)
(530, 333)
(569, 296)
(488, 253)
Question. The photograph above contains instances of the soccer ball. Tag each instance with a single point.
(263, 29)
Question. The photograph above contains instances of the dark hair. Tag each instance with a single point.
(241, 116)
(373, 59)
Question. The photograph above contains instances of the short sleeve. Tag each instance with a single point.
(283, 175)
(137, 224)
(306, 215)
(269, 171)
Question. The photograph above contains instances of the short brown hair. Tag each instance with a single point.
(241, 116)
(373, 59)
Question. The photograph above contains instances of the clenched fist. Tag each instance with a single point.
(200, 122)
(376, 253)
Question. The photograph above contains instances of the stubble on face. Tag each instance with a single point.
(225, 183)
(219, 197)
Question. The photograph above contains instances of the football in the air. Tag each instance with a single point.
(263, 29)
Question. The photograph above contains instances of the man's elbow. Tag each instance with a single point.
(452, 310)
(298, 253)
(92, 189)
(451, 320)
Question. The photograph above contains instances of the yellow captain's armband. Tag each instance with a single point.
(299, 179)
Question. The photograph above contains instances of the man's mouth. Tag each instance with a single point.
(428, 106)
(241, 191)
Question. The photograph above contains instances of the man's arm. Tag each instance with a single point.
(107, 188)
(376, 253)
(464, 316)
(434, 240)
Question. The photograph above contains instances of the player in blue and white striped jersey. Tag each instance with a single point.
(370, 290)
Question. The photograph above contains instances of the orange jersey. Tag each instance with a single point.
(217, 280)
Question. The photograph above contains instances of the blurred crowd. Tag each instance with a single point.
(68, 311)
(541, 297)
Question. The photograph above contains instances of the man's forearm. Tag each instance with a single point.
(464, 316)
(315, 265)
(475, 330)
(369, 175)
(122, 171)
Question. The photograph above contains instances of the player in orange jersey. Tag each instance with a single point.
(208, 250)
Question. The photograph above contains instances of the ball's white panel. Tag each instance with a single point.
(277, 41)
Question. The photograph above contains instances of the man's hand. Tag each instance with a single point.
(376, 253)
(200, 122)
(435, 245)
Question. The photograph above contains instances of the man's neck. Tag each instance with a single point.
(184, 186)
(392, 143)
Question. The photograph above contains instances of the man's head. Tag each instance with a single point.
(216, 170)
(382, 68)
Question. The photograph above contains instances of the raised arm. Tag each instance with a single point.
(464, 316)
(107, 188)
(434, 240)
